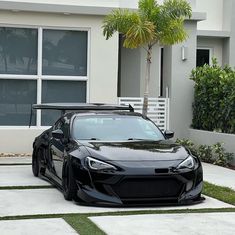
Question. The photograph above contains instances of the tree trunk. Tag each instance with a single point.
(147, 79)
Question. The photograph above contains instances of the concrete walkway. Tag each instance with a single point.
(19, 176)
(15, 160)
(219, 175)
(168, 224)
(36, 227)
(51, 201)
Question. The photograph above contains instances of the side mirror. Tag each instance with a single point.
(169, 134)
(57, 134)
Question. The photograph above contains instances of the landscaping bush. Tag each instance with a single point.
(214, 154)
(214, 98)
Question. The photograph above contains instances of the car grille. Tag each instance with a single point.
(148, 188)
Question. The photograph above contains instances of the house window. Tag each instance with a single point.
(16, 98)
(18, 51)
(203, 56)
(39, 65)
(51, 92)
(64, 53)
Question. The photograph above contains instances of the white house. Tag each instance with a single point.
(54, 51)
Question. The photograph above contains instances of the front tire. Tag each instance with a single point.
(68, 182)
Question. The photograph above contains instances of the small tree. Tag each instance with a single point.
(150, 24)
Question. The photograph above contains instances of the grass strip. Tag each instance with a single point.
(83, 225)
(224, 194)
(26, 187)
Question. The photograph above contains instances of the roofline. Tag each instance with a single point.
(83, 9)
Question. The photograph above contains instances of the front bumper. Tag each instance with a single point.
(121, 188)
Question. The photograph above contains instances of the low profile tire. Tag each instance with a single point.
(69, 184)
(35, 165)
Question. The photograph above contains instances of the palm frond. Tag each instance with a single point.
(148, 9)
(176, 8)
(173, 33)
(119, 21)
(139, 34)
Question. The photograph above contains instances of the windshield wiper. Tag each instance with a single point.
(93, 138)
(139, 139)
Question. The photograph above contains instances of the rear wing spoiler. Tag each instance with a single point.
(64, 107)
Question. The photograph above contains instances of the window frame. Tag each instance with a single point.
(39, 77)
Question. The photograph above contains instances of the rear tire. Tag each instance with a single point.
(37, 167)
(68, 182)
(35, 164)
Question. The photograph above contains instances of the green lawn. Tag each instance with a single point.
(221, 193)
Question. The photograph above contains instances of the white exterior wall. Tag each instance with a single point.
(214, 10)
(102, 67)
(215, 45)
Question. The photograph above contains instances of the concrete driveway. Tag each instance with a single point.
(41, 200)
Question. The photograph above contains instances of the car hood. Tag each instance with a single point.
(164, 150)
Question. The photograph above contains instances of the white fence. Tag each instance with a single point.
(158, 109)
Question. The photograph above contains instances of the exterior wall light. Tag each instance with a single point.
(184, 53)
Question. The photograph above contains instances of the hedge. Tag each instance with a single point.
(214, 98)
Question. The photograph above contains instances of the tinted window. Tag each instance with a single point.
(16, 98)
(18, 51)
(203, 57)
(110, 128)
(61, 91)
(63, 124)
(64, 52)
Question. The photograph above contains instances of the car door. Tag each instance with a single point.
(58, 146)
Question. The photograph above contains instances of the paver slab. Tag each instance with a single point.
(36, 227)
(219, 175)
(15, 160)
(51, 201)
(168, 224)
(19, 176)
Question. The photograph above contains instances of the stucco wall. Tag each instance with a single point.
(214, 10)
(18, 140)
(215, 44)
(130, 72)
(176, 77)
(210, 138)
(133, 70)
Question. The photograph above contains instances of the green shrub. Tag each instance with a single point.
(214, 154)
(214, 98)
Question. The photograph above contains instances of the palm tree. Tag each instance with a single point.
(152, 23)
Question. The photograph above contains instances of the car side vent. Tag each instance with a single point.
(161, 171)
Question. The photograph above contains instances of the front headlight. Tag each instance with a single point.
(188, 163)
(95, 164)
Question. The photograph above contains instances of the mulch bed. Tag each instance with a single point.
(15, 154)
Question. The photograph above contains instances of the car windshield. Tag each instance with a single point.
(115, 128)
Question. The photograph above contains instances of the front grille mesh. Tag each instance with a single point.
(148, 188)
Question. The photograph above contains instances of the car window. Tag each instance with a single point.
(116, 127)
(62, 124)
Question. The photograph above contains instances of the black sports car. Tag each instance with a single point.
(106, 154)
